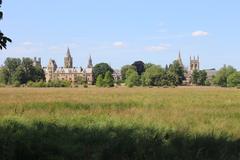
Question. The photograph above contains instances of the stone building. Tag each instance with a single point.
(37, 62)
(68, 72)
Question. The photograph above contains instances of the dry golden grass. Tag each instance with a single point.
(196, 110)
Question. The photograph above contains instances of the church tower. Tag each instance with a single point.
(68, 61)
(194, 64)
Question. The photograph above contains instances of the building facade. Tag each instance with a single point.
(68, 72)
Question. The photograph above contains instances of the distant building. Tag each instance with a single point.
(68, 72)
(117, 75)
(211, 73)
(37, 62)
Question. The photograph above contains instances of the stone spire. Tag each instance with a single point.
(68, 53)
(68, 61)
(180, 59)
(90, 64)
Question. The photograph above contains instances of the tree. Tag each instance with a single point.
(101, 69)
(99, 81)
(195, 77)
(153, 76)
(147, 65)
(233, 80)
(222, 75)
(20, 71)
(178, 71)
(139, 66)
(124, 70)
(132, 78)
(108, 79)
(199, 77)
(19, 76)
(4, 75)
(3, 38)
(202, 78)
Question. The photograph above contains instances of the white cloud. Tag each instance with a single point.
(27, 43)
(119, 44)
(158, 48)
(199, 33)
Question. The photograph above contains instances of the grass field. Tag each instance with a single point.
(120, 123)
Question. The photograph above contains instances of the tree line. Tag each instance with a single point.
(16, 71)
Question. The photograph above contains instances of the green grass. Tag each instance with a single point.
(120, 123)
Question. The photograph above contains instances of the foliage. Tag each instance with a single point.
(3, 39)
(139, 67)
(176, 69)
(132, 78)
(100, 82)
(124, 70)
(108, 79)
(222, 75)
(81, 80)
(101, 69)
(148, 65)
(55, 84)
(199, 77)
(153, 76)
(20, 71)
(233, 80)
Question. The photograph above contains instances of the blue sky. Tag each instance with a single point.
(121, 31)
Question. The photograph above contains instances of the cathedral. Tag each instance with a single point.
(68, 72)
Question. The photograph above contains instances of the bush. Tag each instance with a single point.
(42, 84)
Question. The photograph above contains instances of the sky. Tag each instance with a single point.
(120, 32)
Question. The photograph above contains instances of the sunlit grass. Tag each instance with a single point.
(192, 110)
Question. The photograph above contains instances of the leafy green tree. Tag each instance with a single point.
(10, 66)
(15, 70)
(108, 79)
(19, 76)
(153, 76)
(178, 71)
(222, 75)
(233, 80)
(139, 66)
(147, 65)
(38, 74)
(199, 77)
(202, 78)
(3, 38)
(195, 77)
(4, 75)
(132, 78)
(101, 69)
(124, 70)
(99, 81)
(170, 79)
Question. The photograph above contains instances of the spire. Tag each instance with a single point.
(180, 58)
(90, 64)
(68, 52)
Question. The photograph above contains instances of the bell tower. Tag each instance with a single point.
(194, 64)
(68, 60)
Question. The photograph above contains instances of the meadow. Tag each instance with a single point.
(120, 123)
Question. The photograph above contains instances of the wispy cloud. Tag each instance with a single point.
(157, 48)
(119, 44)
(199, 33)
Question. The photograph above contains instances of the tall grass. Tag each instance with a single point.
(120, 123)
